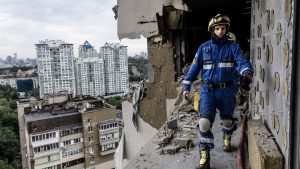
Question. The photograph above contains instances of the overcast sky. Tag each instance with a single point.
(24, 22)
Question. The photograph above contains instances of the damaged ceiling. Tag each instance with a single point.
(208, 4)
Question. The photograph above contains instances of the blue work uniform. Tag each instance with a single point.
(219, 65)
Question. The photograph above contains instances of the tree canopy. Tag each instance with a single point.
(9, 129)
(141, 65)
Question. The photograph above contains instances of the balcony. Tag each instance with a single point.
(108, 141)
(108, 148)
(45, 153)
(107, 131)
(103, 153)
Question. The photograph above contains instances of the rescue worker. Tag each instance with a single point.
(220, 61)
(231, 37)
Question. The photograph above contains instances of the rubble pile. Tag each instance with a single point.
(180, 132)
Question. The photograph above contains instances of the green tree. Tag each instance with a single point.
(3, 102)
(141, 65)
(10, 120)
(35, 92)
(5, 165)
(8, 92)
(9, 130)
(13, 104)
(115, 101)
(134, 78)
(9, 144)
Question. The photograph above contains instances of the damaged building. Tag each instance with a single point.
(64, 132)
(267, 31)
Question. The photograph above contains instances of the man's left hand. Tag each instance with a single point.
(245, 82)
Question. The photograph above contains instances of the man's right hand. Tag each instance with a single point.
(186, 94)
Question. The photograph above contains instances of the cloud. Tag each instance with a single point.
(24, 23)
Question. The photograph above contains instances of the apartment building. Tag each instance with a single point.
(87, 50)
(17, 82)
(89, 72)
(116, 67)
(55, 60)
(64, 132)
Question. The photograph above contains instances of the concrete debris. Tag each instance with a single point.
(165, 137)
(187, 108)
(177, 134)
(172, 123)
(180, 129)
(184, 142)
(170, 150)
(189, 127)
(184, 105)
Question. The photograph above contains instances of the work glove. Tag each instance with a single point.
(245, 81)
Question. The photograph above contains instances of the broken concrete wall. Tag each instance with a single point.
(153, 108)
(119, 154)
(133, 140)
(138, 17)
(263, 151)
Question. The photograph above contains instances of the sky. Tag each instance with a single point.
(23, 23)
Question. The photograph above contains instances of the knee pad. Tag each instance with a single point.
(229, 125)
(204, 125)
(227, 122)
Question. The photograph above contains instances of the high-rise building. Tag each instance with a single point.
(55, 67)
(14, 59)
(116, 67)
(9, 59)
(144, 55)
(87, 50)
(89, 72)
(59, 132)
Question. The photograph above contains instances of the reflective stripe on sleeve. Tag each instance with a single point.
(244, 70)
(226, 64)
(208, 66)
(186, 82)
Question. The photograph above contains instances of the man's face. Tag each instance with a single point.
(220, 30)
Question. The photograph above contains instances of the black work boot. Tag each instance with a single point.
(204, 158)
(227, 142)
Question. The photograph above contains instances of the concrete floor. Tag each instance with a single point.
(150, 158)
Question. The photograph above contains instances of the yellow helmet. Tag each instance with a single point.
(219, 19)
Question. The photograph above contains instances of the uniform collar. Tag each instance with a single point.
(218, 41)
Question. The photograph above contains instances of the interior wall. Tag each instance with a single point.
(271, 55)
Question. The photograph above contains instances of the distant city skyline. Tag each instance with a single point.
(24, 24)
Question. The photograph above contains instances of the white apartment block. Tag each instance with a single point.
(87, 50)
(89, 72)
(116, 67)
(55, 61)
(90, 76)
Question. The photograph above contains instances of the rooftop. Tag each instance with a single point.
(61, 106)
(42, 114)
